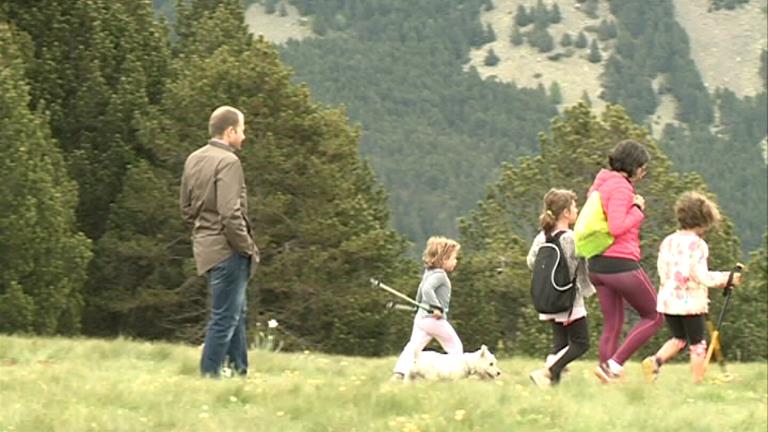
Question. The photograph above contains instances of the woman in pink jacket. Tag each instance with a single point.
(616, 273)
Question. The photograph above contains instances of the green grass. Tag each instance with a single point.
(56, 384)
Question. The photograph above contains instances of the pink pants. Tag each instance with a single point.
(634, 287)
(424, 329)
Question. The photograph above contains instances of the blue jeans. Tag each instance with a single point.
(225, 336)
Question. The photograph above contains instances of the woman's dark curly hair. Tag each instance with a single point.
(628, 156)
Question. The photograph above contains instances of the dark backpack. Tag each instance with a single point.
(552, 288)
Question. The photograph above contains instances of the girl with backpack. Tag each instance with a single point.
(569, 328)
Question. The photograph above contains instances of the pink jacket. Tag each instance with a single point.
(617, 194)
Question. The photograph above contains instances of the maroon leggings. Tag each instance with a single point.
(634, 287)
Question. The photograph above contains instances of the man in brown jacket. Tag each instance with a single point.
(214, 205)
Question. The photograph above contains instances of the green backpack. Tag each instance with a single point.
(591, 230)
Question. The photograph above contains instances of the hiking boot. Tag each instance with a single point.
(650, 369)
(541, 378)
(604, 374)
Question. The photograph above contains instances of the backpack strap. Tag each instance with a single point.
(550, 237)
(556, 237)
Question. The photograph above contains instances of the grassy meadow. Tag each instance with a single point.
(57, 384)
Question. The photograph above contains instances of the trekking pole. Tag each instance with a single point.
(399, 306)
(714, 344)
(378, 284)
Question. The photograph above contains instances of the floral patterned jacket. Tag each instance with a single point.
(684, 275)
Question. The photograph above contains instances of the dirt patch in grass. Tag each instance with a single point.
(725, 44)
(275, 28)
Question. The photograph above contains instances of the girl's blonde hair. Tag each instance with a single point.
(694, 210)
(556, 201)
(438, 251)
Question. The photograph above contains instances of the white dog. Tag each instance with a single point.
(431, 365)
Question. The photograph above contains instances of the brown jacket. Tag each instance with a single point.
(214, 204)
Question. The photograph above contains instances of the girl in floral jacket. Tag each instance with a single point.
(685, 279)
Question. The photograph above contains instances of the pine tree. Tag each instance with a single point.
(555, 95)
(625, 46)
(46, 257)
(589, 7)
(541, 14)
(137, 286)
(566, 40)
(594, 53)
(319, 218)
(491, 59)
(270, 6)
(490, 35)
(516, 38)
(522, 18)
(606, 30)
(200, 27)
(554, 14)
(111, 45)
(546, 42)
(581, 40)
(542, 40)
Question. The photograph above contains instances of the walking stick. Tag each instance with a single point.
(378, 284)
(390, 305)
(715, 347)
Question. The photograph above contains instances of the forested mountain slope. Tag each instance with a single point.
(434, 133)
(446, 90)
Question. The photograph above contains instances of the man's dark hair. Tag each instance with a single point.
(628, 156)
(222, 119)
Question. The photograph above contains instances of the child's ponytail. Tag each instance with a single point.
(556, 201)
(547, 220)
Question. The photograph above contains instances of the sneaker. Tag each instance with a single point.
(541, 378)
(604, 374)
(650, 369)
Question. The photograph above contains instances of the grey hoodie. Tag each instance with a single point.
(434, 290)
